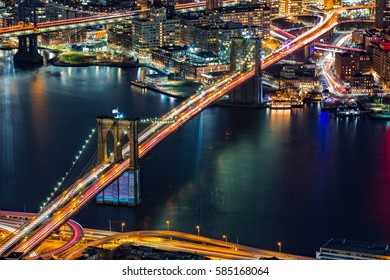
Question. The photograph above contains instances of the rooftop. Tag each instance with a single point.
(365, 248)
(362, 75)
(193, 15)
(242, 7)
(350, 54)
(385, 45)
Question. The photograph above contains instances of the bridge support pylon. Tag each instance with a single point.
(28, 44)
(243, 52)
(125, 190)
(28, 51)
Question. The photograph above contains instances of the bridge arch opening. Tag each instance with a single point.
(117, 134)
(110, 142)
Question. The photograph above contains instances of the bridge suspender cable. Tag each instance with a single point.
(77, 157)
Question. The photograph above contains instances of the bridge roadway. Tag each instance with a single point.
(327, 61)
(174, 241)
(76, 229)
(79, 194)
(288, 35)
(329, 47)
(282, 32)
(162, 240)
(41, 27)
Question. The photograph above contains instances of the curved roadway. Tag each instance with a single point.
(76, 228)
(80, 193)
(183, 242)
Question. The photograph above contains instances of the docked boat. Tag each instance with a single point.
(380, 114)
(348, 112)
(313, 97)
(140, 84)
(280, 105)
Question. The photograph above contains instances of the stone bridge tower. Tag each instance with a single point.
(126, 189)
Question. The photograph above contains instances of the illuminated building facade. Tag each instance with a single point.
(188, 23)
(362, 83)
(290, 7)
(211, 5)
(328, 4)
(190, 62)
(307, 3)
(302, 77)
(274, 5)
(380, 51)
(382, 14)
(250, 14)
(43, 12)
(216, 39)
(348, 63)
(371, 35)
(154, 31)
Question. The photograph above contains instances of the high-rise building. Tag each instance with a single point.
(328, 4)
(382, 14)
(211, 5)
(251, 15)
(308, 3)
(42, 13)
(274, 6)
(380, 50)
(155, 31)
(216, 39)
(290, 7)
(188, 22)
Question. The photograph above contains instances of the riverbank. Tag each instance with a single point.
(5, 48)
(289, 166)
(56, 62)
(376, 110)
(220, 103)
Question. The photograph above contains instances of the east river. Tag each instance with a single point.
(299, 177)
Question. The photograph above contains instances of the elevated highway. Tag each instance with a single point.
(174, 241)
(28, 29)
(76, 229)
(84, 190)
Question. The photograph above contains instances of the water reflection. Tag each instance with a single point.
(39, 109)
(10, 120)
(300, 176)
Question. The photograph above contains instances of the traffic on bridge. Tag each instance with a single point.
(41, 27)
(67, 204)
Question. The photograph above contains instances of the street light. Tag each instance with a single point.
(198, 229)
(224, 238)
(280, 246)
(168, 222)
(123, 225)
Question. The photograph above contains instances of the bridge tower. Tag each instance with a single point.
(245, 53)
(126, 189)
(28, 44)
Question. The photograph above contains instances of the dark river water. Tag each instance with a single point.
(258, 176)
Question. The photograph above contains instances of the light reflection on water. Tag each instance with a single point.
(10, 119)
(300, 176)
